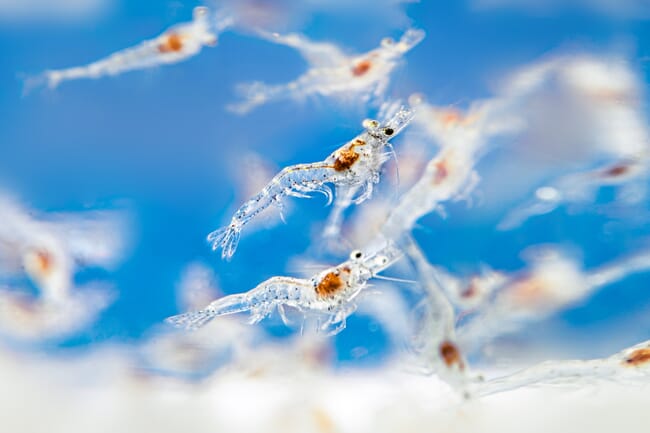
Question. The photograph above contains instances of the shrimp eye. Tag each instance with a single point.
(356, 254)
(389, 131)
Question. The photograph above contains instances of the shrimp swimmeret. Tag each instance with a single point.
(356, 165)
(332, 73)
(328, 295)
(177, 43)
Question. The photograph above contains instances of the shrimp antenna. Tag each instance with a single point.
(394, 155)
(395, 279)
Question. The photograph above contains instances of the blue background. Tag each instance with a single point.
(161, 141)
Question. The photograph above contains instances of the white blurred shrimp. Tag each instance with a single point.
(50, 248)
(177, 43)
(450, 175)
(629, 175)
(331, 73)
(328, 296)
(630, 366)
(353, 169)
(553, 282)
(435, 342)
(585, 122)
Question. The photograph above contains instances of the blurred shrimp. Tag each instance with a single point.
(332, 73)
(176, 44)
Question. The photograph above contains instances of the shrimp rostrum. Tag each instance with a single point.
(328, 296)
(355, 165)
(332, 73)
(175, 44)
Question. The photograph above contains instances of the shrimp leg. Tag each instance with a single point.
(344, 198)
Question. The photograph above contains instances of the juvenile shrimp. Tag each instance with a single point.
(355, 165)
(332, 73)
(553, 282)
(177, 43)
(329, 295)
(630, 365)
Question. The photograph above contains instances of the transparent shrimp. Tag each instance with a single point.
(50, 248)
(450, 175)
(356, 164)
(332, 73)
(174, 45)
(329, 295)
(599, 136)
(631, 365)
(581, 187)
(435, 343)
(554, 282)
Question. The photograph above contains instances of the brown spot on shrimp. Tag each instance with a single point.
(173, 43)
(441, 172)
(347, 157)
(471, 290)
(43, 262)
(331, 283)
(617, 170)
(361, 68)
(638, 357)
(451, 355)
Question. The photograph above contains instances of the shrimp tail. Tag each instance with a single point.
(196, 319)
(191, 321)
(226, 238)
(48, 79)
(254, 94)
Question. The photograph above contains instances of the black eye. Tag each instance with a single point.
(356, 254)
(389, 131)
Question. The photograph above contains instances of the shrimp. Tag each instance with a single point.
(631, 365)
(450, 175)
(553, 283)
(332, 73)
(356, 165)
(599, 136)
(329, 295)
(435, 342)
(581, 187)
(50, 248)
(174, 45)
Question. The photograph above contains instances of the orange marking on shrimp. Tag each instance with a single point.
(617, 170)
(361, 68)
(638, 357)
(471, 290)
(331, 283)
(173, 43)
(442, 172)
(529, 292)
(43, 261)
(347, 157)
(451, 355)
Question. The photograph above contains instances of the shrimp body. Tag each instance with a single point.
(356, 164)
(177, 43)
(332, 73)
(328, 295)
